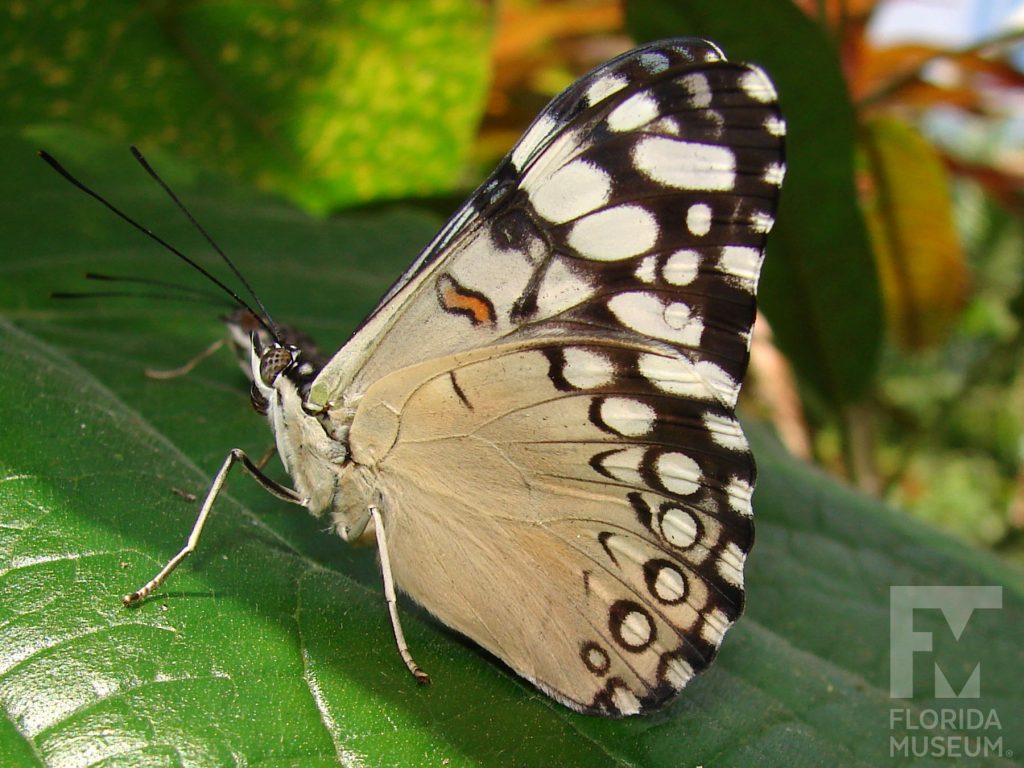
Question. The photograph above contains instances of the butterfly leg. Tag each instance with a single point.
(236, 455)
(161, 374)
(389, 595)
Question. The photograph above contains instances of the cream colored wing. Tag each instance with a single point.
(558, 503)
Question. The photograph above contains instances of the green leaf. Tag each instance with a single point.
(271, 645)
(328, 103)
(819, 288)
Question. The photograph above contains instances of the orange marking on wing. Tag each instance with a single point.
(480, 310)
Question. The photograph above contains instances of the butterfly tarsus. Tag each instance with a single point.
(389, 595)
(173, 373)
(236, 455)
(267, 456)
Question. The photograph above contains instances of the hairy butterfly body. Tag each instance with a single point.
(538, 418)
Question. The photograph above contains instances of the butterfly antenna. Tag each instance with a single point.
(137, 154)
(52, 162)
(172, 291)
(186, 290)
(126, 295)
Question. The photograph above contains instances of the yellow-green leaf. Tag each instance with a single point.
(328, 103)
(910, 216)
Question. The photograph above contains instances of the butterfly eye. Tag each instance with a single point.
(273, 361)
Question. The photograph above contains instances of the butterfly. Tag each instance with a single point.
(537, 422)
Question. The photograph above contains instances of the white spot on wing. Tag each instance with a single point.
(678, 473)
(636, 629)
(775, 125)
(614, 233)
(699, 88)
(625, 701)
(681, 267)
(721, 382)
(698, 219)
(774, 174)
(726, 432)
(674, 375)
(701, 380)
(686, 164)
(585, 369)
(654, 62)
(679, 527)
(739, 492)
(479, 262)
(645, 313)
(561, 289)
(730, 565)
(756, 85)
(570, 192)
(761, 222)
(624, 465)
(669, 584)
(638, 110)
(646, 272)
(714, 627)
(741, 262)
(604, 87)
(627, 416)
(677, 672)
(533, 138)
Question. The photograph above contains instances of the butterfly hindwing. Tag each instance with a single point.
(565, 528)
(543, 404)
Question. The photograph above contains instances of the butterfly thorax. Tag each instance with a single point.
(314, 450)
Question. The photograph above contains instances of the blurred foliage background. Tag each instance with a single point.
(892, 352)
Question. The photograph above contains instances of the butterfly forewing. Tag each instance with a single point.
(544, 402)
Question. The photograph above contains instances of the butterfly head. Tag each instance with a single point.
(273, 363)
(290, 353)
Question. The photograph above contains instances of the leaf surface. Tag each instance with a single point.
(327, 103)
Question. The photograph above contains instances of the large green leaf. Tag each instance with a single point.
(271, 645)
(819, 289)
(329, 103)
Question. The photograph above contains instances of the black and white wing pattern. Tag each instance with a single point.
(543, 405)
